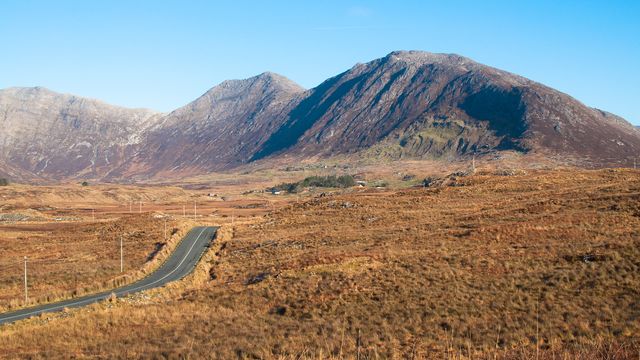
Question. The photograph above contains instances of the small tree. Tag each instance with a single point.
(4, 182)
(84, 183)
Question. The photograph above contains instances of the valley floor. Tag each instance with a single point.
(517, 264)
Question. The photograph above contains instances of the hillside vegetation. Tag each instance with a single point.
(540, 264)
(329, 181)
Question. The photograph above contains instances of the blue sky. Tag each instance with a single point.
(163, 54)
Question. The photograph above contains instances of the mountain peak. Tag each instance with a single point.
(271, 75)
(265, 82)
(424, 57)
(29, 90)
(279, 81)
(74, 135)
(43, 94)
(233, 97)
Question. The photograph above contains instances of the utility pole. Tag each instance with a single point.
(121, 256)
(473, 163)
(26, 291)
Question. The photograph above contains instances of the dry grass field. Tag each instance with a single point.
(539, 264)
(71, 235)
(74, 258)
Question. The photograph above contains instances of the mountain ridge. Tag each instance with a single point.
(407, 104)
(52, 135)
(230, 119)
(432, 87)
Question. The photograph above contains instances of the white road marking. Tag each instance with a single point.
(180, 264)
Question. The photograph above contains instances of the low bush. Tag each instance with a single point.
(331, 181)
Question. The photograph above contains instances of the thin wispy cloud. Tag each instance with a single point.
(360, 11)
(345, 28)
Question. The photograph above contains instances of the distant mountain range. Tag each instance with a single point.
(408, 104)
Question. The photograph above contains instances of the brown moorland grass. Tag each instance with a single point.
(69, 259)
(71, 233)
(543, 264)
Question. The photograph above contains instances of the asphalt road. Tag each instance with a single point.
(179, 264)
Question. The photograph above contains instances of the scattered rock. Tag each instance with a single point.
(19, 217)
(431, 181)
(252, 206)
(348, 205)
(586, 258)
(509, 172)
(257, 278)
(279, 310)
(461, 173)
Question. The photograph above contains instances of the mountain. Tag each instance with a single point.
(408, 104)
(49, 135)
(422, 104)
(221, 128)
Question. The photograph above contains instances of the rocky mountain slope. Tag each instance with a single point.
(407, 104)
(221, 128)
(44, 134)
(423, 104)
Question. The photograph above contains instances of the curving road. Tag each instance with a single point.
(181, 262)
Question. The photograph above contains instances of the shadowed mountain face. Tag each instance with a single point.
(422, 104)
(407, 104)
